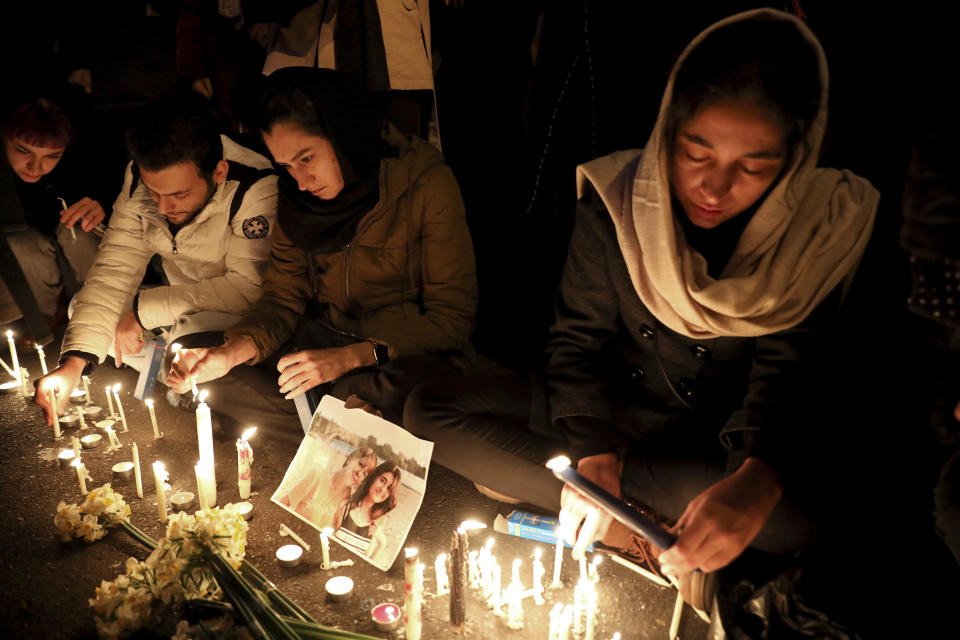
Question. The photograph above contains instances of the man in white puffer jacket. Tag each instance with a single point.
(202, 203)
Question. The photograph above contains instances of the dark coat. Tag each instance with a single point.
(620, 378)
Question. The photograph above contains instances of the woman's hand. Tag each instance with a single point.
(208, 363)
(719, 523)
(86, 210)
(304, 370)
(603, 470)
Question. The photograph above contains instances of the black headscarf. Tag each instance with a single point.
(331, 104)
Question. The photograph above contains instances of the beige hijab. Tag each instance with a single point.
(805, 238)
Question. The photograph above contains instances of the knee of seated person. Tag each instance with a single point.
(425, 409)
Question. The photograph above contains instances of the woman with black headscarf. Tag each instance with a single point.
(372, 264)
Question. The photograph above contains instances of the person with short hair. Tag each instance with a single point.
(48, 221)
(204, 206)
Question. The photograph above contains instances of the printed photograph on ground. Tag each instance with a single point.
(360, 475)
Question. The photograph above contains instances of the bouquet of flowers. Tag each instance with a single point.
(103, 509)
(201, 559)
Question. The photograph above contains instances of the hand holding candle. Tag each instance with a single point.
(244, 462)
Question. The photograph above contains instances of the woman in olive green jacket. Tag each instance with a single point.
(372, 264)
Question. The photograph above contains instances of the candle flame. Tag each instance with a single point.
(596, 560)
(537, 553)
(148, 402)
(75, 463)
(203, 396)
(558, 464)
(327, 531)
(468, 525)
(175, 347)
(517, 562)
(410, 552)
(116, 387)
(442, 558)
(246, 435)
(490, 543)
(9, 334)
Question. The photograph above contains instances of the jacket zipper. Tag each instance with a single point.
(346, 274)
(173, 241)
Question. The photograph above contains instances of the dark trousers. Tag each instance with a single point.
(947, 504)
(495, 431)
(250, 394)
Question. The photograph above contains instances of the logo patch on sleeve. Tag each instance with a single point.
(256, 227)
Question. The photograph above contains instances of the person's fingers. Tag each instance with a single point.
(292, 379)
(683, 554)
(588, 533)
(289, 359)
(93, 217)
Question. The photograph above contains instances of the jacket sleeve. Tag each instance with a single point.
(769, 424)
(586, 326)
(448, 272)
(286, 290)
(111, 282)
(239, 287)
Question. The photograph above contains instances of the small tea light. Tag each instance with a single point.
(91, 411)
(385, 616)
(13, 386)
(103, 424)
(123, 470)
(65, 459)
(182, 500)
(339, 588)
(245, 509)
(289, 555)
(69, 420)
(91, 441)
(79, 396)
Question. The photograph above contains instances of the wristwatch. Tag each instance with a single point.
(381, 353)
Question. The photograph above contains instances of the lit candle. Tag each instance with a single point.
(182, 500)
(591, 612)
(440, 569)
(66, 458)
(52, 400)
(557, 559)
(82, 475)
(13, 356)
(86, 387)
(385, 616)
(565, 621)
(580, 605)
(24, 377)
(555, 615)
(496, 589)
(458, 571)
(153, 419)
(205, 441)
(202, 492)
(486, 575)
(109, 401)
(413, 596)
(325, 534)
(473, 571)
(515, 598)
(560, 466)
(159, 478)
(116, 396)
(538, 572)
(592, 572)
(136, 470)
(244, 461)
(43, 358)
(245, 509)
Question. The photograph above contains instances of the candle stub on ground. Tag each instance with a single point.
(385, 616)
(339, 588)
(91, 441)
(91, 411)
(245, 509)
(289, 555)
(65, 458)
(10, 387)
(123, 470)
(182, 500)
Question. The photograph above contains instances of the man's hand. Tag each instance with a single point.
(64, 379)
(129, 337)
(719, 523)
(604, 471)
(85, 210)
(303, 370)
(203, 86)
(208, 363)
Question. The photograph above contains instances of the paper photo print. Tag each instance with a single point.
(360, 475)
